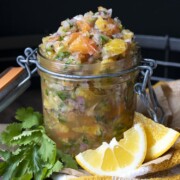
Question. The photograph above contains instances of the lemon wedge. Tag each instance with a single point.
(159, 138)
(116, 157)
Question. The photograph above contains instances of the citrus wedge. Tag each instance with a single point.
(159, 137)
(116, 157)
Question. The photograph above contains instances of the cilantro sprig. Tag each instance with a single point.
(30, 153)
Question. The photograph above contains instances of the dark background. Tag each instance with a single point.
(20, 19)
(157, 17)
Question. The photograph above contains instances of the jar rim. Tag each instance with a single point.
(99, 68)
(83, 64)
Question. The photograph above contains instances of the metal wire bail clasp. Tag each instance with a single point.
(150, 101)
(26, 61)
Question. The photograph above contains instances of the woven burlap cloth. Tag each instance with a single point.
(166, 166)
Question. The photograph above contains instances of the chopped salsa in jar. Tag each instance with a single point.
(82, 113)
(89, 38)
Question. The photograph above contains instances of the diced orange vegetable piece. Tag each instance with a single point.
(84, 45)
(72, 37)
(82, 57)
(83, 26)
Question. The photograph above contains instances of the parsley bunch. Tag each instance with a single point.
(30, 153)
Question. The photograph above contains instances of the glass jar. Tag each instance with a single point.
(87, 103)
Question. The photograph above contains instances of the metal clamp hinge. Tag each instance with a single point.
(149, 99)
(24, 62)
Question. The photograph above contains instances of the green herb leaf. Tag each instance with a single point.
(47, 149)
(29, 117)
(3, 166)
(67, 160)
(35, 161)
(24, 177)
(41, 174)
(11, 131)
(57, 166)
(4, 154)
(11, 165)
(31, 154)
(27, 137)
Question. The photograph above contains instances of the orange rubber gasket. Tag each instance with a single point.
(9, 76)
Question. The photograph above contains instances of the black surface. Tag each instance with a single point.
(155, 17)
(31, 98)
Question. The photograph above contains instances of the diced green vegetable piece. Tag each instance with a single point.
(61, 118)
(63, 95)
(61, 38)
(62, 55)
(46, 92)
(69, 61)
(85, 140)
(104, 39)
